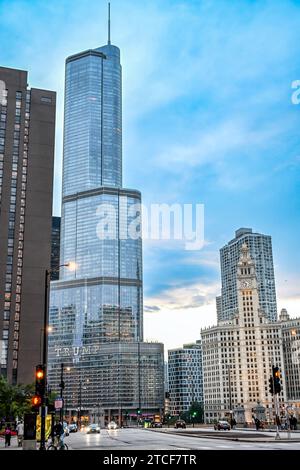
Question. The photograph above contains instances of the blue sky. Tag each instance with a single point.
(208, 118)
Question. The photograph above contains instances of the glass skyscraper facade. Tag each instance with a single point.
(96, 308)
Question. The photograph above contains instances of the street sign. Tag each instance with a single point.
(58, 404)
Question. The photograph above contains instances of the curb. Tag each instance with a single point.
(227, 438)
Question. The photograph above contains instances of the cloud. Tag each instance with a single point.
(151, 308)
(188, 297)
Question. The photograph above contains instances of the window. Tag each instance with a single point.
(46, 99)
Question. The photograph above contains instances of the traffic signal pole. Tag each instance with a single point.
(276, 405)
(43, 397)
(277, 389)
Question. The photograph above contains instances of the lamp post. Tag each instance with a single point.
(62, 386)
(44, 360)
(79, 404)
(230, 391)
(292, 385)
(139, 380)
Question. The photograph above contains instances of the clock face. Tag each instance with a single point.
(246, 284)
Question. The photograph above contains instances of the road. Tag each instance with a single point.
(135, 439)
(170, 439)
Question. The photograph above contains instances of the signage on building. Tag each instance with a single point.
(76, 350)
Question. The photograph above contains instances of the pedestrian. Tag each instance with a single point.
(257, 424)
(7, 436)
(20, 432)
(278, 422)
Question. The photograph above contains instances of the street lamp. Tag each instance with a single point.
(44, 357)
(229, 389)
(49, 329)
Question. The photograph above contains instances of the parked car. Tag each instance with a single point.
(112, 425)
(222, 426)
(93, 428)
(180, 423)
(73, 427)
(156, 424)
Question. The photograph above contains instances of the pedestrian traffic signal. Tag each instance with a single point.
(271, 386)
(276, 379)
(40, 380)
(36, 402)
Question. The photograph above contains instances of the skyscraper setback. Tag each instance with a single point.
(96, 309)
(27, 126)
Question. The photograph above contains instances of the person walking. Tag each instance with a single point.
(257, 424)
(7, 436)
(20, 431)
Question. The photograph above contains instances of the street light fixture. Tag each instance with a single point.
(71, 265)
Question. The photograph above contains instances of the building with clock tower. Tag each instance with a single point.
(238, 355)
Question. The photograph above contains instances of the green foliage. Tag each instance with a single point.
(195, 413)
(15, 400)
(170, 420)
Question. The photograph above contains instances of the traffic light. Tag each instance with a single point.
(138, 412)
(194, 414)
(40, 380)
(271, 386)
(36, 402)
(276, 379)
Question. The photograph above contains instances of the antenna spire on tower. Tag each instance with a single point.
(108, 42)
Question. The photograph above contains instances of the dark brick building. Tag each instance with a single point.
(55, 248)
(27, 127)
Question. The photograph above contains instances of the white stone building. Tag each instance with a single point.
(238, 355)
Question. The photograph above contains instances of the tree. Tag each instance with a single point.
(15, 400)
(196, 412)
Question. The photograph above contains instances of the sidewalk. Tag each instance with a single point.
(13, 444)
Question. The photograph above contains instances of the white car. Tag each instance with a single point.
(73, 427)
(112, 425)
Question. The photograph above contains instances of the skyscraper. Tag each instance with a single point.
(27, 126)
(96, 310)
(260, 247)
(238, 355)
(185, 377)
